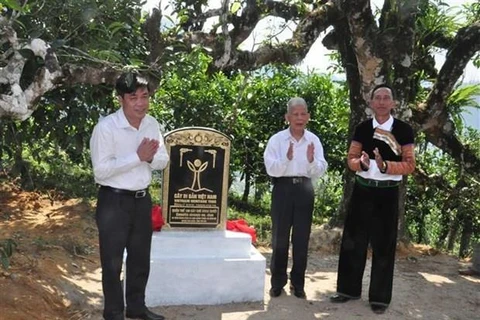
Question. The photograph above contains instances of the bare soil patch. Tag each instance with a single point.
(55, 274)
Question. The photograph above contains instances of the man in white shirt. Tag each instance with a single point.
(125, 147)
(293, 158)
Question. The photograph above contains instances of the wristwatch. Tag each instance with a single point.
(384, 167)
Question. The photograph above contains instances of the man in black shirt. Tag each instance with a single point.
(381, 152)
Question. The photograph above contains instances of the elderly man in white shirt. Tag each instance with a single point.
(125, 147)
(293, 158)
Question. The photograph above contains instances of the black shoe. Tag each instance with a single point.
(378, 309)
(299, 293)
(275, 292)
(337, 298)
(146, 315)
(115, 317)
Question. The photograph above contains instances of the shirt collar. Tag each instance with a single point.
(288, 136)
(121, 120)
(387, 125)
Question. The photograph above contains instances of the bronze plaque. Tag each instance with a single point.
(195, 182)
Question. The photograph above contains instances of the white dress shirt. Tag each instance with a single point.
(373, 171)
(113, 147)
(278, 165)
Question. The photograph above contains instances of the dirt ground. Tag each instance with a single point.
(55, 274)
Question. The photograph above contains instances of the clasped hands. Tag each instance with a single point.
(147, 149)
(310, 152)
(365, 159)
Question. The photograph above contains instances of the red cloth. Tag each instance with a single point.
(241, 225)
(157, 218)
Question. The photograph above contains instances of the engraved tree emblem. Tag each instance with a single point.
(197, 167)
(213, 152)
(182, 151)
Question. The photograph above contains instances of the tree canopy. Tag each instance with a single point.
(52, 45)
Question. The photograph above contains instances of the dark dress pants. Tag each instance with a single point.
(372, 218)
(124, 222)
(292, 209)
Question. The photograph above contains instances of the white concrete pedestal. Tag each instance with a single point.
(204, 268)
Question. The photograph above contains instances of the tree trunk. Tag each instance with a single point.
(248, 181)
(339, 216)
(445, 222)
(476, 258)
(260, 189)
(453, 235)
(421, 237)
(402, 234)
(20, 167)
(465, 237)
(449, 207)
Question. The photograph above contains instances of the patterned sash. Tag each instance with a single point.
(389, 139)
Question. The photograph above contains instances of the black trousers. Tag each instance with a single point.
(124, 222)
(292, 209)
(372, 218)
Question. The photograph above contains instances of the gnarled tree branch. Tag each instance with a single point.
(434, 119)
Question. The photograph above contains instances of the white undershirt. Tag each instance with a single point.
(374, 172)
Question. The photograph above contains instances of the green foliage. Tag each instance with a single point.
(433, 215)
(471, 10)
(476, 60)
(461, 98)
(328, 194)
(423, 205)
(156, 188)
(11, 4)
(255, 217)
(422, 214)
(435, 20)
(187, 12)
(443, 201)
(86, 30)
(235, 6)
(50, 149)
(187, 91)
(48, 171)
(56, 137)
(259, 208)
(250, 108)
(7, 248)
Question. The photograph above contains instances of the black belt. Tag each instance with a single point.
(137, 193)
(292, 180)
(376, 183)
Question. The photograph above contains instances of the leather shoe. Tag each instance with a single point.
(378, 309)
(146, 315)
(275, 292)
(337, 298)
(299, 293)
